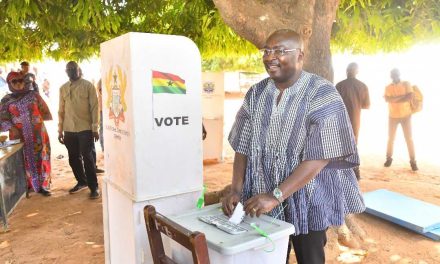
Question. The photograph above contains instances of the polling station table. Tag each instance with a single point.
(249, 247)
(12, 180)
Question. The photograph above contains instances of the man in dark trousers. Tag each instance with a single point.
(355, 95)
(78, 128)
(294, 150)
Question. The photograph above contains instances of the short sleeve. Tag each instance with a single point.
(240, 134)
(330, 135)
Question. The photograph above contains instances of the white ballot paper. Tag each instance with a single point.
(238, 214)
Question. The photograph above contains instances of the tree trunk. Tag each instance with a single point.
(255, 20)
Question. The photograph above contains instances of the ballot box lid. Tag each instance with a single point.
(228, 244)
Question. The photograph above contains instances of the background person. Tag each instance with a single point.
(398, 95)
(28, 75)
(78, 128)
(46, 87)
(22, 113)
(355, 95)
(24, 65)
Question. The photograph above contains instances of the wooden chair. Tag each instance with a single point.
(193, 241)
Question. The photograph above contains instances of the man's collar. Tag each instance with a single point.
(74, 80)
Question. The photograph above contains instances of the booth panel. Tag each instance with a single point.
(166, 74)
(121, 231)
(117, 99)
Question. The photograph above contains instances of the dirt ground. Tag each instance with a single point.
(68, 228)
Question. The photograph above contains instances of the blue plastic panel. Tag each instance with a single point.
(433, 234)
(403, 210)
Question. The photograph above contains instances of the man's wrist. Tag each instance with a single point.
(278, 194)
(233, 191)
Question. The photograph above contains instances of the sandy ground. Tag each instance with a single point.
(67, 228)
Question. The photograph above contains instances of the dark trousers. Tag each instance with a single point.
(80, 146)
(407, 133)
(356, 126)
(309, 248)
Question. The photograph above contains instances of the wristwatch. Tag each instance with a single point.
(278, 194)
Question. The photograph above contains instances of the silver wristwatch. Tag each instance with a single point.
(278, 194)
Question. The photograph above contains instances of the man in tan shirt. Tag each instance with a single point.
(398, 95)
(78, 128)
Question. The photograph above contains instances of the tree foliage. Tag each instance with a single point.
(368, 26)
(73, 29)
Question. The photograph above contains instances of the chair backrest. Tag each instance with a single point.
(193, 241)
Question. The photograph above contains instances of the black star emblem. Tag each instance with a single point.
(170, 83)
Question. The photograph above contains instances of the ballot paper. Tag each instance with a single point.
(237, 215)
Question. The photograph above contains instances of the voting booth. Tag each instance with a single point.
(213, 99)
(153, 136)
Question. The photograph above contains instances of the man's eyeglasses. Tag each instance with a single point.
(15, 81)
(276, 52)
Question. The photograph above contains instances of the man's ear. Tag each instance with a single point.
(301, 56)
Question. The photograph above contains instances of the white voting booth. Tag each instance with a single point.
(153, 136)
(153, 153)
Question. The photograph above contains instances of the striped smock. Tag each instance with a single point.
(310, 122)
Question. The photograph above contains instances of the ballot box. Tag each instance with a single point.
(224, 248)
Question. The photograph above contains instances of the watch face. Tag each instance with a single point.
(277, 193)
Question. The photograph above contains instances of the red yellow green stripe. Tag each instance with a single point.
(168, 83)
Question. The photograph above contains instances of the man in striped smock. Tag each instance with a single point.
(294, 150)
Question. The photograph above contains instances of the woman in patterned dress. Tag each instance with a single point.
(22, 113)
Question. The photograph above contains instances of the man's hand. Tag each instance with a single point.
(96, 136)
(229, 202)
(61, 137)
(260, 204)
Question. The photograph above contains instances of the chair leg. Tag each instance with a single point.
(154, 237)
(200, 249)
